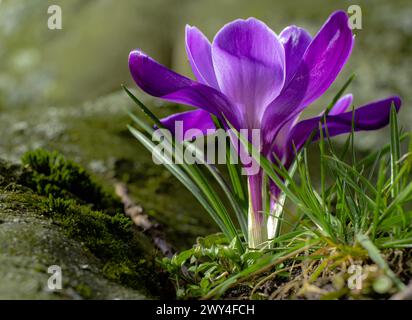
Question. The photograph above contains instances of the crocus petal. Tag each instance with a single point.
(249, 63)
(325, 56)
(323, 60)
(372, 116)
(341, 105)
(277, 146)
(157, 80)
(295, 40)
(282, 137)
(199, 52)
(196, 120)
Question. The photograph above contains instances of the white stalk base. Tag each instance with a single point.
(273, 219)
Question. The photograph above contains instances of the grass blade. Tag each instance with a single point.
(395, 150)
(375, 255)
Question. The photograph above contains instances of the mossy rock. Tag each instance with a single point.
(101, 254)
(95, 135)
(30, 245)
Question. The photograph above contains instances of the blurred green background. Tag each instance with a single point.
(88, 57)
(60, 89)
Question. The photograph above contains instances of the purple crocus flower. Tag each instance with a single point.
(260, 80)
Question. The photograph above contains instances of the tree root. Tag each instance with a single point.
(143, 221)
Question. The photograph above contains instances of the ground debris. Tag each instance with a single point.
(143, 221)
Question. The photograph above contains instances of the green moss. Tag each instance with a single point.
(84, 290)
(52, 174)
(128, 256)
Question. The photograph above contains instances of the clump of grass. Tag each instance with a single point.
(368, 198)
(209, 262)
(357, 212)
